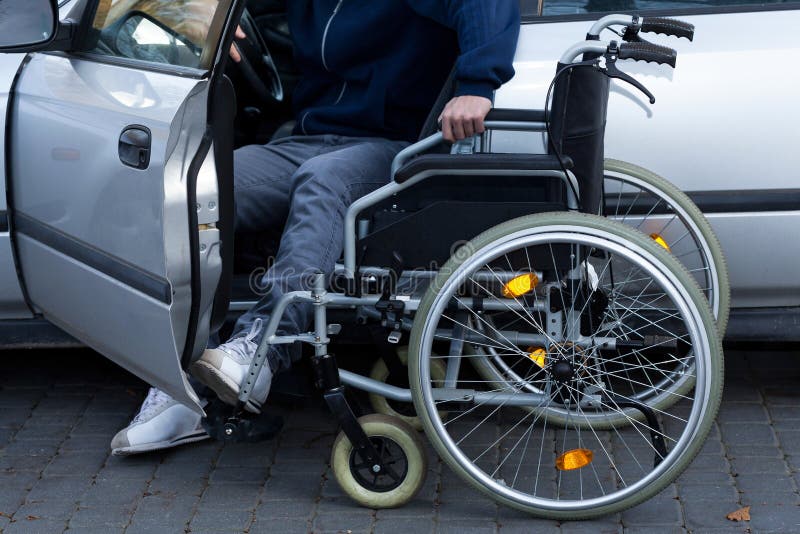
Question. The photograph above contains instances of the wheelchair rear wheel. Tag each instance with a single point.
(648, 203)
(644, 200)
(586, 311)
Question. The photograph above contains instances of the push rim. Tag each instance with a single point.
(686, 309)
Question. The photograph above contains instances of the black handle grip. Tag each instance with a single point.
(666, 26)
(648, 52)
(515, 115)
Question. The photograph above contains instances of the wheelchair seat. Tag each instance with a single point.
(489, 163)
(463, 196)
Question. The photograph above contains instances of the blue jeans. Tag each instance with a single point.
(303, 185)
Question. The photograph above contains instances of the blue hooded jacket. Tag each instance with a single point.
(374, 68)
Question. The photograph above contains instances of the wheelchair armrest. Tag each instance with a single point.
(483, 163)
(515, 115)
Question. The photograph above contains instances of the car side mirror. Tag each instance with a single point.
(27, 25)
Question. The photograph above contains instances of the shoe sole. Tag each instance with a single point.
(225, 388)
(161, 445)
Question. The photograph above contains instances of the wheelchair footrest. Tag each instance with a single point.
(222, 425)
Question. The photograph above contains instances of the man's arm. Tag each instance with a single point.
(488, 31)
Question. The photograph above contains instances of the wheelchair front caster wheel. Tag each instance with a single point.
(403, 410)
(403, 458)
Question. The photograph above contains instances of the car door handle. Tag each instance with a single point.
(134, 147)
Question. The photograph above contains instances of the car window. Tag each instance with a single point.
(574, 7)
(174, 32)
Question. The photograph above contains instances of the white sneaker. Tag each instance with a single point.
(162, 422)
(223, 370)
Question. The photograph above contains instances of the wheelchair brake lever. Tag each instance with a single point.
(612, 71)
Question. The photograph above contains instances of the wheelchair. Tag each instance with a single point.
(563, 351)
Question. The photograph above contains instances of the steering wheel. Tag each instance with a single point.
(257, 66)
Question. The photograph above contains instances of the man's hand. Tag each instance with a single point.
(463, 117)
(236, 56)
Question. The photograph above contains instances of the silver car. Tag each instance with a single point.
(118, 140)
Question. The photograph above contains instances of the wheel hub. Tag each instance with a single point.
(562, 370)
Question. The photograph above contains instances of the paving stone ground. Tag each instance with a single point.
(59, 410)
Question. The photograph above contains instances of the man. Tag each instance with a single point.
(371, 72)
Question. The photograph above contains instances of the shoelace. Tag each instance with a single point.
(242, 349)
(155, 398)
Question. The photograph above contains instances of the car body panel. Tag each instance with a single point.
(104, 248)
(12, 301)
(743, 139)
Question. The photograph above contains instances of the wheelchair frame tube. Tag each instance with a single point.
(577, 50)
(628, 21)
(444, 394)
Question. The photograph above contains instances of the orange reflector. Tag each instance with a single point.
(538, 356)
(574, 459)
(660, 240)
(518, 286)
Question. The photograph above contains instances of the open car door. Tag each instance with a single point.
(120, 163)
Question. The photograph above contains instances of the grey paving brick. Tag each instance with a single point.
(748, 433)
(790, 439)
(657, 529)
(68, 463)
(707, 514)
(710, 462)
(292, 487)
(782, 395)
(183, 470)
(741, 449)
(50, 509)
(742, 412)
(741, 392)
(107, 491)
(239, 475)
(347, 522)
(167, 509)
(16, 464)
(35, 526)
(287, 526)
(31, 448)
(86, 443)
(483, 509)
(417, 525)
(312, 468)
(527, 526)
(175, 485)
(59, 488)
(714, 492)
(287, 453)
(105, 529)
(598, 526)
(107, 515)
(134, 467)
(272, 510)
(458, 527)
(744, 465)
(220, 520)
(780, 487)
(417, 507)
(138, 527)
(774, 517)
(705, 477)
(11, 418)
(256, 455)
(663, 509)
(61, 405)
(784, 413)
(231, 496)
